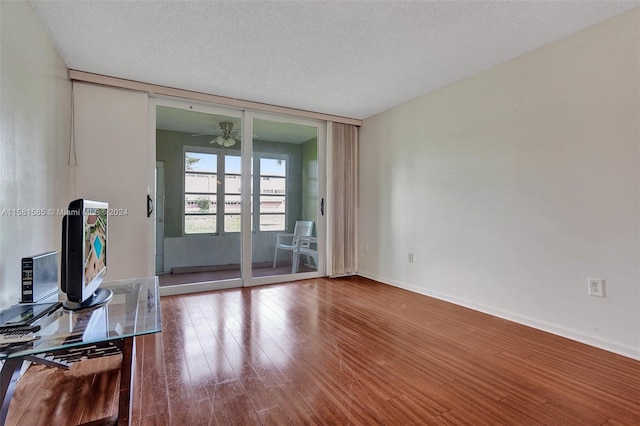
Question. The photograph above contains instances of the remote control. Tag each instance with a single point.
(19, 337)
(19, 329)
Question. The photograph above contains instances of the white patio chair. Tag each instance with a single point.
(307, 246)
(303, 228)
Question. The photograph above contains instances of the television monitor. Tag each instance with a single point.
(84, 254)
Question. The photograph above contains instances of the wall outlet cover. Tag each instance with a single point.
(596, 287)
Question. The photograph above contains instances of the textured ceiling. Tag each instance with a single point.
(352, 59)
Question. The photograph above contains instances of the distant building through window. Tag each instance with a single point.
(200, 193)
(212, 193)
(273, 189)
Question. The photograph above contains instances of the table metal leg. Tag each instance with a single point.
(9, 376)
(126, 381)
(48, 361)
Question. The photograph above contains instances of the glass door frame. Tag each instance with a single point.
(247, 117)
(321, 225)
(206, 108)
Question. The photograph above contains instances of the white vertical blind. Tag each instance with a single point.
(343, 201)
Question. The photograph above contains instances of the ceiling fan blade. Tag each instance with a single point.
(238, 135)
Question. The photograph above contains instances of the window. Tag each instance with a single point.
(212, 192)
(273, 190)
(200, 193)
(232, 193)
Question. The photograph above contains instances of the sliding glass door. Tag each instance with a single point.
(199, 147)
(240, 198)
(287, 221)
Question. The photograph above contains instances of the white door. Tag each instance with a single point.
(111, 128)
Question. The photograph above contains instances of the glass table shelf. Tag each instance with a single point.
(67, 336)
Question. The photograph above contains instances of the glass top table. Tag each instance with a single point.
(67, 336)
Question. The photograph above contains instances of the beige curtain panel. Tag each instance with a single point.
(344, 196)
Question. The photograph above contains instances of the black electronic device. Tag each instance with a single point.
(22, 315)
(84, 254)
(40, 277)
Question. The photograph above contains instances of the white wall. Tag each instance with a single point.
(35, 101)
(514, 186)
(198, 250)
(112, 139)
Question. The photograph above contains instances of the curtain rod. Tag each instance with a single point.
(105, 80)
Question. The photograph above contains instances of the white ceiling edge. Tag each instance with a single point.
(350, 59)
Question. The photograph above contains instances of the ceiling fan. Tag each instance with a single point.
(226, 137)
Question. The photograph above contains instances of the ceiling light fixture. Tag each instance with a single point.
(225, 139)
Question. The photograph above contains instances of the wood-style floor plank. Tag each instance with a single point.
(354, 351)
(50, 396)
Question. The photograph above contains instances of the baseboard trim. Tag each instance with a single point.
(216, 268)
(613, 347)
(171, 290)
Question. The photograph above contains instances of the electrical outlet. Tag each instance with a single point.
(596, 287)
(410, 257)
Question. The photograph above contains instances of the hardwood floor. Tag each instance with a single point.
(353, 351)
(55, 397)
(359, 352)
